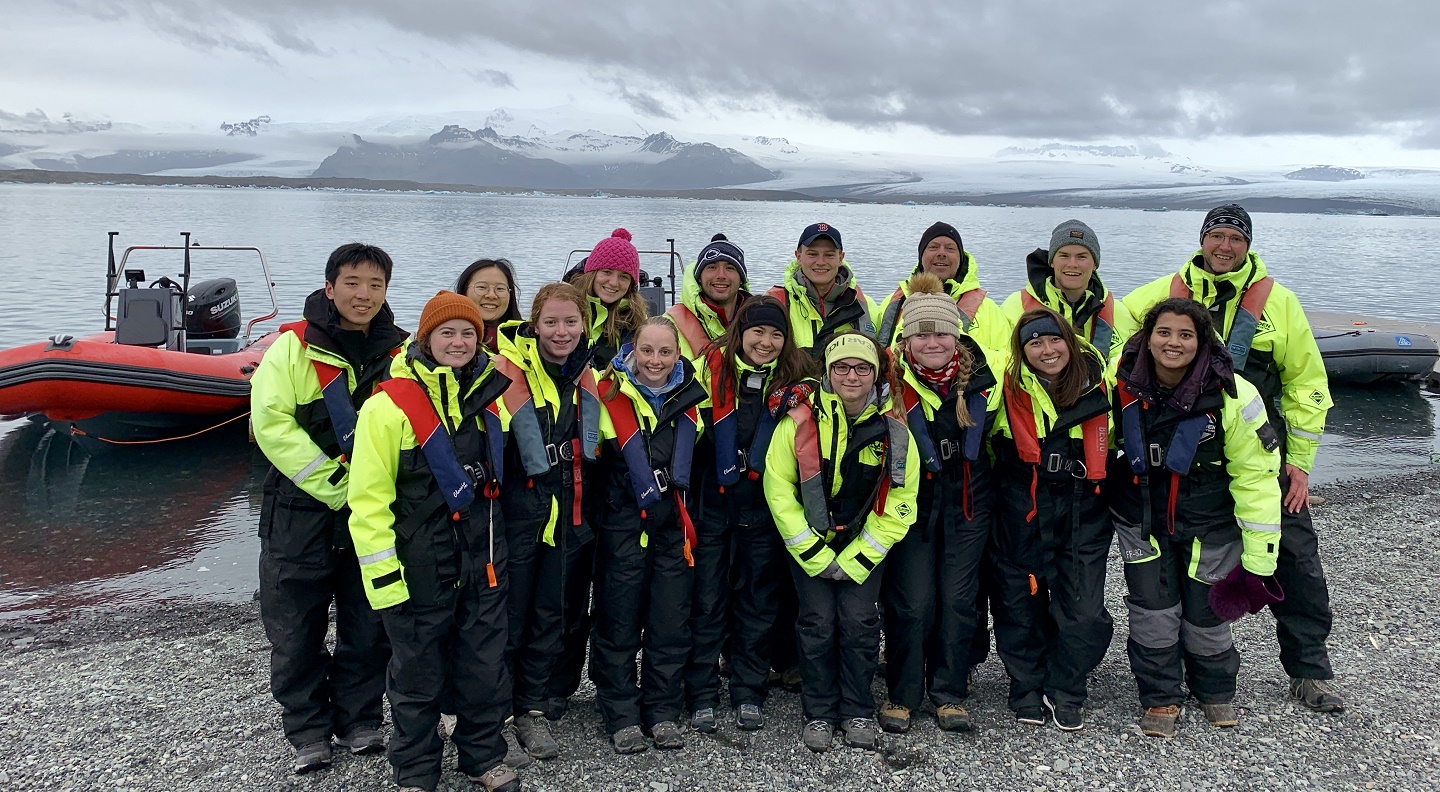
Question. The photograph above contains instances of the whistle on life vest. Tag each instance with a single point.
(490, 574)
(1034, 586)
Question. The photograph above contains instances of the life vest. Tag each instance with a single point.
(815, 491)
(1144, 457)
(1247, 316)
(934, 455)
(730, 461)
(335, 389)
(851, 313)
(647, 482)
(689, 326)
(1095, 434)
(1102, 332)
(968, 303)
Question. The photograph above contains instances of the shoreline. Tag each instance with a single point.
(176, 696)
(1093, 198)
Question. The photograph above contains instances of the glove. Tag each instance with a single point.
(834, 572)
(1243, 592)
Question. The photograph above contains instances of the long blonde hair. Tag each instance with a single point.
(620, 319)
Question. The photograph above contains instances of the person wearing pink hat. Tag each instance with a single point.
(611, 282)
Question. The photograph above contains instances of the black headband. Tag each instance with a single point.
(764, 314)
(1043, 326)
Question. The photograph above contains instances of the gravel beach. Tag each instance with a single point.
(176, 697)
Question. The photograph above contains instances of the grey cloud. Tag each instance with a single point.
(642, 102)
(1020, 68)
(492, 77)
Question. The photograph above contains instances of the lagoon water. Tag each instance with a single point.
(179, 521)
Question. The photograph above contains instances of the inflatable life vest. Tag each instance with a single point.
(968, 303)
(1247, 317)
(815, 490)
(853, 312)
(649, 483)
(1144, 457)
(1095, 434)
(454, 481)
(335, 390)
(1102, 332)
(730, 460)
(689, 326)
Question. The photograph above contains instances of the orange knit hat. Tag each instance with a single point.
(443, 307)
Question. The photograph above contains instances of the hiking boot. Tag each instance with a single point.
(533, 731)
(515, 756)
(791, 680)
(314, 756)
(363, 740)
(629, 740)
(749, 717)
(499, 778)
(668, 734)
(1320, 695)
(1222, 716)
(818, 735)
(894, 718)
(703, 720)
(1160, 721)
(953, 717)
(863, 733)
(1066, 717)
(1032, 715)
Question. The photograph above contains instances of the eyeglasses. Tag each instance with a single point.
(485, 288)
(860, 369)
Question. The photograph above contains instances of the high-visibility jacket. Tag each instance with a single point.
(979, 315)
(288, 407)
(809, 323)
(697, 322)
(842, 490)
(408, 533)
(1283, 361)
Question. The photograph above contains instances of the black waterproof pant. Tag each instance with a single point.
(449, 652)
(1052, 632)
(302, 571)
(1303, 619)
(709, 611)
(578, 601)
(931, 587)
(761, 573)
(541, 576)
(642, 600)
(839, 640)
(1173, 632)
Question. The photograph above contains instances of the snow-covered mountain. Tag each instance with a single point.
(550, 148)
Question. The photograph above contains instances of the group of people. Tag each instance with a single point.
(762, 484)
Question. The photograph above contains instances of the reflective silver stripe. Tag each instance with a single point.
(1264, 527)
(1206, 641)
(1301, 433)
(804, 536)
(310, 468)
(1154, 629)
(1253, 410)
(875, 543)
(388, 552)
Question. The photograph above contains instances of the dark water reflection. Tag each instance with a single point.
(132, 525)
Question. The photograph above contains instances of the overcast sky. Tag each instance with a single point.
(1259, 82)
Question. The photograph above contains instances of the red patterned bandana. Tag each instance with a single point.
(938, 379)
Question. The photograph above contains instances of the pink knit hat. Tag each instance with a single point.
(616, 253)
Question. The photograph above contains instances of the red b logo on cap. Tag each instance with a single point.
(822, 227)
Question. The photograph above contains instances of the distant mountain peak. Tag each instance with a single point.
(1326, 173)
(661, 143)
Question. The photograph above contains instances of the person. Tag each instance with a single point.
(932, 576)
(1273, 348)
(710, 293)
(553, 412)
(819, 290)
(1052, 532)
(943, 255)
(736, 535)
(490, 284)
(611, 284)
(1066, 279)
(644, 566)
(1194, 496)
(427, 472)
(304, 399)
(841, 477)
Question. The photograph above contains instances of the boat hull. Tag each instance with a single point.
(1363, 357)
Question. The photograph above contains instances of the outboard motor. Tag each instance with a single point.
(212, 310)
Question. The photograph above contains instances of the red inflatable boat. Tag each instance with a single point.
(171, 360)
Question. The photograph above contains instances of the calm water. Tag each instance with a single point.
(79, 530)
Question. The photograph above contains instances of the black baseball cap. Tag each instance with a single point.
(814, 232)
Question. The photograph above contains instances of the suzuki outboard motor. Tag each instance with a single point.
(212, 310)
